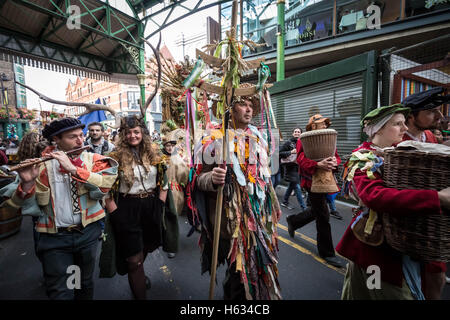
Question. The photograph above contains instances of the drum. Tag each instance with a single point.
(318, 145)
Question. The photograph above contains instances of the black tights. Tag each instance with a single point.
(136, 275)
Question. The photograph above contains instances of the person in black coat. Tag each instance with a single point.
(291, 174)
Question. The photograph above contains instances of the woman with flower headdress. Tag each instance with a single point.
(399, 274)
(141, 194)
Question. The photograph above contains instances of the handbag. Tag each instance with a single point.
(291, 159)
(368, 228)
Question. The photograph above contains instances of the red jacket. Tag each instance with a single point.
(389, 200)
(3, 158)
(307, 167)
(429, 137)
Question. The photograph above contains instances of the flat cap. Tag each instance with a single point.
(61, 125)
(426, 100)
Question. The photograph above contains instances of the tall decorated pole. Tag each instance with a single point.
(228, 63)
(230, 83)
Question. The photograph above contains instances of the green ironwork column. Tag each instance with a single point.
(280, 40)
(141, 75)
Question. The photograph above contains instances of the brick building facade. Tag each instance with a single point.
(123, 98)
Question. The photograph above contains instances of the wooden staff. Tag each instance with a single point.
(46, 158)
(219, 204)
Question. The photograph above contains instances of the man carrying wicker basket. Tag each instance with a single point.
(363, 241)
(424, 117)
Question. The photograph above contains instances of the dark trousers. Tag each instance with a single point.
(319, 212)
(69, 248)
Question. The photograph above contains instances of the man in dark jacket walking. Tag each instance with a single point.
(291, 173)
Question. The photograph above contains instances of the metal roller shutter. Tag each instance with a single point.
(338, 99)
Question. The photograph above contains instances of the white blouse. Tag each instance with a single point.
(148, 180)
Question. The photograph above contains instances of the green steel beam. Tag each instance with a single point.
(124, 28)
(80, 46)
(133, 9)
(57, 6)
(171, 7)
(88, 11)
(53, 30)
(26, 46)
(46, 25)
(141, 75)
(105, 33)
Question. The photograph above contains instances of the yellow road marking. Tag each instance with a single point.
(299, 234)
(304, 237)
(168, 275)
(306, 251)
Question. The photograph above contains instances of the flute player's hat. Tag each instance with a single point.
(61, 125)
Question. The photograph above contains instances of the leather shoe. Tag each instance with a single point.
(334, 261)
(336, 214)
(291, 229)
(171, 255)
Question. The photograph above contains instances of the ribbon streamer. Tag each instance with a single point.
(263, 75)
(195, 73)
(188, 128)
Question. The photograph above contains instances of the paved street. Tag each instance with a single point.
(303, 275)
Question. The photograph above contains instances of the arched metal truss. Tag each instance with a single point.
(167, 13)
(106, 41)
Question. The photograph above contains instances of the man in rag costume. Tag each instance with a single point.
(250, 212)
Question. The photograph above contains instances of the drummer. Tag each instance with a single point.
(319, 208)
(399, 276)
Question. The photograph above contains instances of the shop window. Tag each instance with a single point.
(133, 99)
(354, 15)
(155, 105)
(312, 27)
(418, 7)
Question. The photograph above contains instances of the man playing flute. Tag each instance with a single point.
(65, 194)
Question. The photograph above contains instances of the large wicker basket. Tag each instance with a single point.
(424, 237)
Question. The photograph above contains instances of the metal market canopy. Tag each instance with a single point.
(105, 45)
(164, 13)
